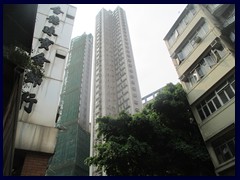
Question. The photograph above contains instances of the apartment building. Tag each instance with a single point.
(115, 79)
(73, 141)
(201, 44)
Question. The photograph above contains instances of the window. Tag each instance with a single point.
(60, 56)
(223, 94)
(181, 26)
(180, 57)
(232, 36)
(171, 40)
(208, 62)
(176, 34)
(224, 147)
(194, 77)
(226, 151)
(70, 17)
(136, 102)
(205, 65)
(213, 7)
(195, 39)
(187, 49)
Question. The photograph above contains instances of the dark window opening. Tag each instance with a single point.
(60, 56)
(19, 157)
(70, 17)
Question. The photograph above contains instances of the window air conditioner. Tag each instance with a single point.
(196, 75)
(183, 78)
(180, 56)
(197, 39)
(216, 55)
(216, 45)
(177, 62)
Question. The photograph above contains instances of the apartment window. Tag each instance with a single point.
(70, 17)
(206, 64)
(187, 49)
(60, 56)
(171, 40)
(224, 147)
(224, 93)
(225, 151)
(136, 102)
(195, 75)
(213, 7)
(189, 16)
(232, 36)
(182, 26)
(194, 40)
(201, 69)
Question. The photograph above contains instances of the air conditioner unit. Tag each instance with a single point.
(216, 45)
(183, 78)
(195, 74)
(216, 55)
(176, 33)
(197, 39)
(176, 62)
(180, 56)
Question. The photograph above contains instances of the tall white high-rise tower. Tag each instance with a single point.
(115, 79)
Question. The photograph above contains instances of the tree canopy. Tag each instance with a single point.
(163, 139)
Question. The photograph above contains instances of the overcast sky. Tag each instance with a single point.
(148, 24)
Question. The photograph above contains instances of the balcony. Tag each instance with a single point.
(217, 9)
(213, 76)
(229, 21)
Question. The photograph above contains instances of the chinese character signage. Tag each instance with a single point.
(35, 76)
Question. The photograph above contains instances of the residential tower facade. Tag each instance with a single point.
(116, 86)
(201, 44)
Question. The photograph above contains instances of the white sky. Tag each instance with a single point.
(148, 24)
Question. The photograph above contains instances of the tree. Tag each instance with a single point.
(162, 140)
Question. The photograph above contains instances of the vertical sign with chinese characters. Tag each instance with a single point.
(40, 99)
(35, 75)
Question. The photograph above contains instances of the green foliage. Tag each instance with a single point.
(19, 57)
(160, 140)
